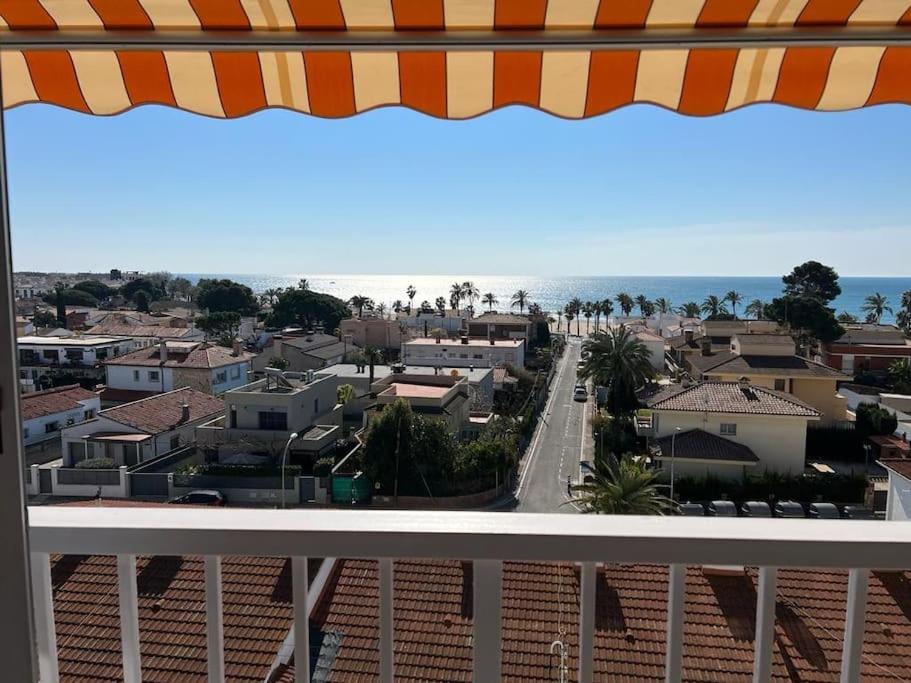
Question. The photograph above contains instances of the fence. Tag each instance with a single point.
(67, 481)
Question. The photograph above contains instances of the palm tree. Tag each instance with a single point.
(272, 294)
(360, 302)
(560, 317)
(470, 292)
(622, 363)
(303, 284)
(587, 311)
(456, 295)
(490, 299)
(607, 307)
(410, 292)
(648, 308)
(622, 486)
(596, 310)
(690, 310)
(576, 304)
(643, 303)
(734, 298)
(397, 306)
(663, 305)
(345, 393)
(875, 305)
(713, 306)
(903, 317)
(381, 309)
(520, 298)
(534, 308)
(441, 305)
(755, 309)
(625, 301)
(845, 317)
(569, 315)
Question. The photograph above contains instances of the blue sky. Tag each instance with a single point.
(640, 191)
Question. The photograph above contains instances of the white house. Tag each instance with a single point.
(145, 335)
(728, 429)
(174, 364)
(898, 502)
(451, 321)
(464, 352)
(45, 413)
(655, 345)
(135, 432)
(77, 351)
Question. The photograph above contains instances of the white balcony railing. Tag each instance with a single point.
(485, 538)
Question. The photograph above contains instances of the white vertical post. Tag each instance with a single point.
(855, 617)
(299, 585)
(765, 624)
(46, 631)
(215, 635)
(587, 622)
(386, 623)
(129, 618)
(676, 588)
(486, 610)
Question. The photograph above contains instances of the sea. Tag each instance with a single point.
(552, 293)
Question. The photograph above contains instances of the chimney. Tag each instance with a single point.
(184, 413)
(465, 340)
(688, 335)
(163, 351)
(706, 347)
(236, 346)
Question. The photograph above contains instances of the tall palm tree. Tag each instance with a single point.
(470, 293)
(625, 301)
(647, 308)
(490, 299)
(576, 304)
(560, 313)
(588, 311)
(303, 283)
(903, 317)
(607, 307)
(713, 306)
(845, 317)
(875, 305)
(380, 309)
(410, 292)
(360, 302)
(755, 309)
(622, 363)
(272, 294)
(520, 298)
(397, 306)
(534, 308)
(690, 310)
(569, 315)
(596, 310)
(455, 296)
(733, 297)
(441, 305)
(621, 486)
(663, 305)
(643, 303)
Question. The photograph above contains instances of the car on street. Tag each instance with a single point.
(206, 497)
(580, 393)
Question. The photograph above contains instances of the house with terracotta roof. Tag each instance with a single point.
(45, 413)
(728, 429)
(769, 360)
(146, 335)
(308, 351)
(866, 347)
(141, 430)
(174, 364)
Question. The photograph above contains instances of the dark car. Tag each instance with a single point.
(722, 508)
(202, 497)
(824, 511)
(692, 510)
(858, 512)
(755, 508)
(789, 509)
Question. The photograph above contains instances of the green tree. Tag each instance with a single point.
(97, 289)
(625, 302)
(618, 361)
(734, 298)
(154, 291)
(875, 306)
(812, 280)
(588, 311)
(345, 393)
(44, 319)
(308, 309)
(441, 305)
(142, 301)
(490, 300)
(520, 300)
(569, 315)
(874, 420)
(808, 318)
(713, 307)
(226, 295)
(63, 296)
(456, 295)
(621, 486)
(223, 324)
(470, 292)
(690, 310)
(116, 274)
(663, 305)
(643, 303)
(278, 363)
(845, 317)
(900, 376)
(755, 309)
(903, 317)
(360, 302)
(181, 286)
(607, 307)
(576, 305)
(411, 292)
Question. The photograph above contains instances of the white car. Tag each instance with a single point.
(580, 393)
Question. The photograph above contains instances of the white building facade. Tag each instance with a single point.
(464, 353)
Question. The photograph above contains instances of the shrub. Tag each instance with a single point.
(874, 420)
(323, 467)
(832, 442)
(95, 464)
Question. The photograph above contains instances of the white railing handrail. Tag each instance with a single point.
(470, 535)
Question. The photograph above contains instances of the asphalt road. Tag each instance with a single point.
(555, 450)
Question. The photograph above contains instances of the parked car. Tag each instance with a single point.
(789, 509)
(692, 510)
(824, 511)
(580, 393)
(722, 508)
(755, 508)
(202, 497)
(858, 512)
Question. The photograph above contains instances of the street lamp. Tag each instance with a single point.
(673, 447)
(284, 458)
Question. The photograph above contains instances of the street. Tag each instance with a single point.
(556, 447)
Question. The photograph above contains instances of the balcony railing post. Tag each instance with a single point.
(215, 638)
(765, 624)
(676, 587)
(299, 587)
(46, 632)
(587, 622)
(129, 618)
(486, 610)
(855, 618)
(386, 622)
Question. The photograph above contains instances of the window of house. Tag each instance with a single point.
(101, 354)
(275, 421)
(221, 377)
(780, 385)
(233, 418)
(728, 429)
(154, 375)
(235, 372)
(51, 427)
(175, 441)
(479, 356)
(25, 433)
(89, 414)
(135, 375)
(49, 355)
(75, 354)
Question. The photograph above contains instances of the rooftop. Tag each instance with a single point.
(76, 340)
(51, 401)
(766, 338)
(164, 412)
(472, 341)
(696, 444)
(495, 318)
(873, 334)
(413, 390)
(791, 366)
(127, 330)
(183, 355)
(730, 397)
(350, 371)
(901, 466)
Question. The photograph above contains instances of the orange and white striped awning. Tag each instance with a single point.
(108, 75)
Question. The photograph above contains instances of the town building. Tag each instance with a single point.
(45, 413)
(141, 430)
(42, 359)
(898, 500)
(379, 333)
(308, 351)
(654, 344)
(728, 429)
(444, 397)
(172, 365)
(769, 360)
(493, 325)
(260, 417)
(24, 326)
(866, 347)
(464, 352)
(143, 335)
(421, 323)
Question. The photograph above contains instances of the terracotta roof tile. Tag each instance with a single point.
(203, 356)
(730, 397)
(791, 366)
(901, 466)
(163, 412)
(123, 329)
(51, 401)
(696, 444)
